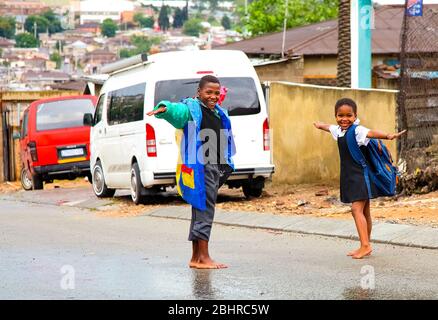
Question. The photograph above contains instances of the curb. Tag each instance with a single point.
(387, 233)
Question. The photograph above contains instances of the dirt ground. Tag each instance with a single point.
(317, 200)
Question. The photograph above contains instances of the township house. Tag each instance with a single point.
(311, 51)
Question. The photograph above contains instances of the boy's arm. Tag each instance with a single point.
(377, 134)
(177, 114)
(322, 126)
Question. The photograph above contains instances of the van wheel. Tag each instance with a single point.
(251, 192)
(99, 185)
(26, 182)
(37, 182)
(253, 188)
(136, 185)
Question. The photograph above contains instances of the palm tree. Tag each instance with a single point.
(344, 45)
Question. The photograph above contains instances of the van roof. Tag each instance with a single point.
(192, 64)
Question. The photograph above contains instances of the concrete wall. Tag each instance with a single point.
(12, 104)
(304, 154)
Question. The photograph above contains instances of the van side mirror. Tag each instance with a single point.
(16, 135)
(88, 119)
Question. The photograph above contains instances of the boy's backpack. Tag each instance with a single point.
(381, 171)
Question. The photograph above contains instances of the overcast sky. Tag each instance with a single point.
(401, 1)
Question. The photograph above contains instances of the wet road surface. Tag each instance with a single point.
(50, 252)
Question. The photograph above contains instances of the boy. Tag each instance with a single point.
(203, 167)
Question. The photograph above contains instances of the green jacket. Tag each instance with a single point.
(177, 113)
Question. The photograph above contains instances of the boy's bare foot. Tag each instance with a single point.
(212, 265)
(362, 252)
(207, 264)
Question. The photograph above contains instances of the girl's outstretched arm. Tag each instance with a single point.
(377, 134)
(322, 126)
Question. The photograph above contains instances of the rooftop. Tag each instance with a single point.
(322, 38)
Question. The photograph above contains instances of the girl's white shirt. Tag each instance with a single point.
(361, 133)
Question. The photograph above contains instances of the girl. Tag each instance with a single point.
(353, 185)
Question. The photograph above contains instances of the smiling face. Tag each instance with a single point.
(345, 116)
(209, 94)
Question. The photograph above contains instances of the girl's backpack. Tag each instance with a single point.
(381, 170)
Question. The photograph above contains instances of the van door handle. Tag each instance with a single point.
(165, 141)
(126, 133)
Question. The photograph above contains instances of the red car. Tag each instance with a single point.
(54, 143)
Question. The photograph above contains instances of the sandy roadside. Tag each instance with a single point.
(318, 200)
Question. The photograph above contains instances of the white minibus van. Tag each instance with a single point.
(130, 150)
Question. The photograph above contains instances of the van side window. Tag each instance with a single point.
(99, 110)
(241, 99)
(126, 104)
(24, 124)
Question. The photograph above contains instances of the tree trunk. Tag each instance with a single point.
(344, 45)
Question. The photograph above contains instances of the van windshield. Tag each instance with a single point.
(241, 98)
(63, 114)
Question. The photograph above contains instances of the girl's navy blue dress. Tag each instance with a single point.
(353, 186)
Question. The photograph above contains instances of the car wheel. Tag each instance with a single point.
(37, 182)
(136, 185)
(26, 182)
(98, 181)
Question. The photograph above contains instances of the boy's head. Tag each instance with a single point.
(209, 90)
(345, 112)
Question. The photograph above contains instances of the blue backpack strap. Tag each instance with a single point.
(358, 156)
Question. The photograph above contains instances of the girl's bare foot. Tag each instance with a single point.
(362, 252)
(352, 253)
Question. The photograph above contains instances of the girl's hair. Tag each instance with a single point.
(206, 79)
(345, 101)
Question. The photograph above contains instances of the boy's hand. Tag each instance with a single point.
(317, 125)
(157, 111)
(392, 136)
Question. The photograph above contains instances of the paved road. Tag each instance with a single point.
(47, 250)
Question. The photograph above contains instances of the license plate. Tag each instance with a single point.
(72, 152)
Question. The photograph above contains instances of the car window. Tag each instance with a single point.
(99, 110)
(126, 104)
(24, 124)
(62, 114)
(241, 98)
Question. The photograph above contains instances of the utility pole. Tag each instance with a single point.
(361, 24)
(284, 30)
(35, 29)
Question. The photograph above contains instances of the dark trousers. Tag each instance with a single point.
(215, 176)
